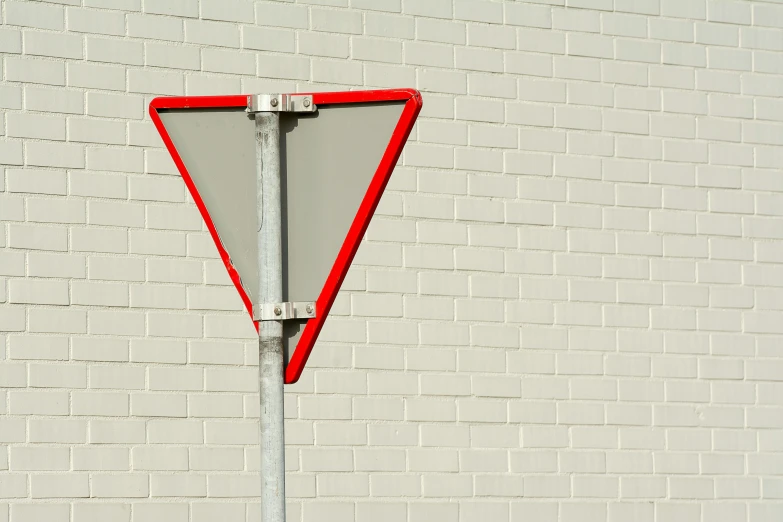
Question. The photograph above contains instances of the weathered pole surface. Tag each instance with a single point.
(270, 333)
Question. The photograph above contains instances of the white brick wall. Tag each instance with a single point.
(567, 309)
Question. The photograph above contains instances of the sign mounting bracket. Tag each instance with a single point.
(280, 103)
(283, 311)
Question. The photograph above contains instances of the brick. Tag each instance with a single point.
(626, 73)
(579, 44)
(429, 30)
(42, 16)
(716, 34)
(59, 486)
(128, 485)
(55, 155)
(276, 67)
(485, 85)
(484, 36)
(37, 237)
(731, 12)
(15, 486)
(12, 97)
(91, 130)
(52, 45)
(769, 16)
(530, 64)
(186, 8)
(440, 107)
(39, 458)
(274, 14)
(11, 152)
(104, 22)
(155, 27)
(159, 512)
(335, 21)
(170, 56)
(14, 376)
(227, 62)
(623, 25)
(114, 51)
(36, 181)
(577, 68)
(376, 50)
(377, 24)
(235, 11)
(387, 5)
(213, 406)
(111, 105)
(436, 9)
(119, 512)
(579, 216)
(528, 15)
(55, 211)
(575, 20)
(199, 85)
(176, 432)
(171, 325)
(159, 458)
(434, 80)
(540, 41)
(155, 82)
(268, 39)
(185, 379)
(335, 46)
(54, 512)
(70, 376)
(769, 110)
(428, 54)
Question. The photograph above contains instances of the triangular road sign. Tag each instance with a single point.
(335, 165)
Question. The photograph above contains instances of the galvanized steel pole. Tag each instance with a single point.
(270, 340)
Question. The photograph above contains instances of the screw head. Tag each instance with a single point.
(309, 309)
(273, 103)
(278, 311)
(306, 103)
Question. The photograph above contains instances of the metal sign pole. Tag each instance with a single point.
(270, 311)
(270, 332)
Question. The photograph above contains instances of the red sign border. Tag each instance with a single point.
(413, 103)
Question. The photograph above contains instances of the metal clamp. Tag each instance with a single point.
(283, 311)
(280, 103)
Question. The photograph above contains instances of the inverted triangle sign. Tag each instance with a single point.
(335, 166)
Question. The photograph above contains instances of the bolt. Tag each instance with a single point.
(306, 103)
(309, 309)
(273, 103)
(278, 311)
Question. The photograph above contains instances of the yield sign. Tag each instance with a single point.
(335, 164)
